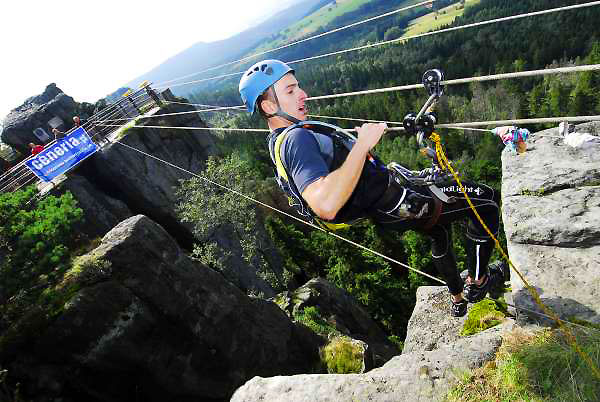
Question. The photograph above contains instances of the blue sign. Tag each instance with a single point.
(61, 156)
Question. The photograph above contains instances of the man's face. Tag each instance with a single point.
(76, 120)
(291, 97)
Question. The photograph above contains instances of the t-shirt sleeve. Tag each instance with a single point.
(303, 159)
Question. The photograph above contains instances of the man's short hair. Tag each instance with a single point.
(267, 95)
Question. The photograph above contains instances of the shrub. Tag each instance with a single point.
(312, 318)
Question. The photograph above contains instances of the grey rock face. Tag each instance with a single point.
(101, 211)
(417, 376)
(431, 326)
(551, 211)
(148, 186)
(35, 113)
(342, 312)
(161, 327)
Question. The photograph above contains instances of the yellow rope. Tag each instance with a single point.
(446, 165)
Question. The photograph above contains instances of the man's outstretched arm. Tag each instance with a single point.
(328, 194)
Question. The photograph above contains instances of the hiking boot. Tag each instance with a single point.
(493, 280)
(498, 273)
(458, 309)
(502, 267)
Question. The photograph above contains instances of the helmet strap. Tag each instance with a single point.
(280, 112)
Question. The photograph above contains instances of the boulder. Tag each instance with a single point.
(148, 186)
(341, 311)
(35, 113)
(551, 210)
(154, 325)
(431, 326)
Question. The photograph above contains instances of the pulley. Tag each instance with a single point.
(432, 80)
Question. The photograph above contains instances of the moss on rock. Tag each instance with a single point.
(343, 355)
(483, 315)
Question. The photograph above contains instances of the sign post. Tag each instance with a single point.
(63, 155)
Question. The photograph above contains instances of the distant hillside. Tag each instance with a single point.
(115, 96)
(205, 55)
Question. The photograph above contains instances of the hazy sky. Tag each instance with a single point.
(90, 48)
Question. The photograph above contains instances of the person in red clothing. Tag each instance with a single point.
(77, 121)
(35, 149)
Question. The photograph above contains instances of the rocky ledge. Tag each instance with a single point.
(551, 213)
(419, 374)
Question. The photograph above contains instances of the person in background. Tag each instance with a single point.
(35, 148)
(78, 122)
(57, 134)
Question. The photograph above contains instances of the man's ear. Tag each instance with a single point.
(268, 106)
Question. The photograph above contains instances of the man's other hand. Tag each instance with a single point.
(369, 134)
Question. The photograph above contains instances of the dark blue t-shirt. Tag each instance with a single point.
(307, 156)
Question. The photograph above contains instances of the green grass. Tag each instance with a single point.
(312, 22)
(319, 19)
(312, 318)
(428, 22)
(535, 367)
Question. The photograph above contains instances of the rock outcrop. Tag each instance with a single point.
(155, 325)
(342, 312)
(420, 375)
(101, 212)
(551, 211)
(429, 327)
(36, 113)
(146, 185)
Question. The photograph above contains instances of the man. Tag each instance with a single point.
(77, 121)
(35, 149)
(338, 181)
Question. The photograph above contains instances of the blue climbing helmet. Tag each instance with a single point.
(258, 78)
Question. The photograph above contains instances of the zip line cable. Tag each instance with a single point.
(451, 127)
(331, 233)
(483, 78)
(252, 130)
(199, 105)
(404, 39)
(216, 109)
(303, 40)
(455, 126)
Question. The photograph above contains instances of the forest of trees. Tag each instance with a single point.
(561, 39)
